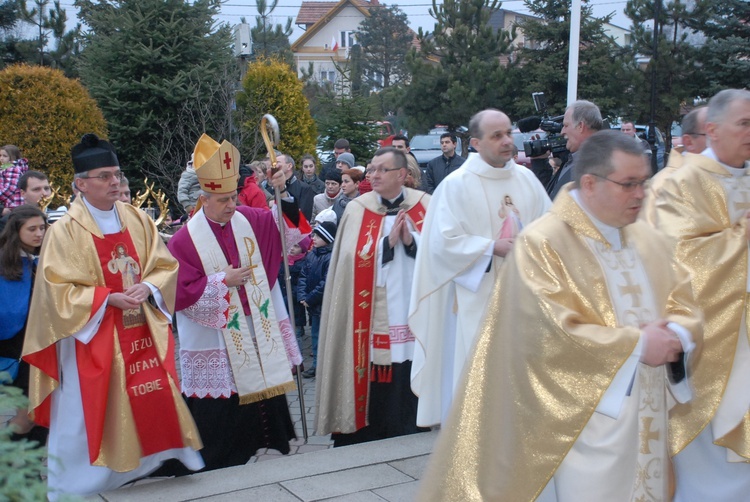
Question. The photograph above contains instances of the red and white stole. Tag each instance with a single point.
(364, 296)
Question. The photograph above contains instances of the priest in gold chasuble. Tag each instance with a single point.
(567, 392)
(704, 207)
(99, 342)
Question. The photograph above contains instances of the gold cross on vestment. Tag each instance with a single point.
(744, 204)
(634, 290)
(646, 434)
(419, 223)
(250, 247)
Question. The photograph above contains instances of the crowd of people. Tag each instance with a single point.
(577, 331)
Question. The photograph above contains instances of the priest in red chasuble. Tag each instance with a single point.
(99, 341)
(366, 348)
(236, 342)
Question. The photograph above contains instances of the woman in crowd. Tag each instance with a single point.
(20, 243)
(350, 179)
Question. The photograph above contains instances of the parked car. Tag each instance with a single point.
(660, 147)
(426, 147)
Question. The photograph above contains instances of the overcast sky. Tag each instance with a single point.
(416, 10)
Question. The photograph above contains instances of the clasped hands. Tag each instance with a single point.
(400, 231)
(130, 298)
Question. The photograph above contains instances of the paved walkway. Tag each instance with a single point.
(378, 471)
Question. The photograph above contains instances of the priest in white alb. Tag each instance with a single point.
(586, 345)
(470, 227)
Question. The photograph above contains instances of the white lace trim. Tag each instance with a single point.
(211, 308)
(206, 373)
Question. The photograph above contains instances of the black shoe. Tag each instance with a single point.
(309, 373)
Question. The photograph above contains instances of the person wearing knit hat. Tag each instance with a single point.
(326, 230)
(112, 283)
(345, 161)
(312, 282)
(233, 380)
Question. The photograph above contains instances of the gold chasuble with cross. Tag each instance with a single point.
(709, 232)
(554, 396)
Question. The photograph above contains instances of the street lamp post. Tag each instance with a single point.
(654, 64)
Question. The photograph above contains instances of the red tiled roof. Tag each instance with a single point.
(311, 12)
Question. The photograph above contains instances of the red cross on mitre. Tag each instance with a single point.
(227, 160)
(212, 185)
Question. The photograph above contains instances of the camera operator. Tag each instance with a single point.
(582, 119)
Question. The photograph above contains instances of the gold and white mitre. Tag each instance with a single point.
(217, 165)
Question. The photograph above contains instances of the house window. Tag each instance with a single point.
(327, 76)
(348, 39)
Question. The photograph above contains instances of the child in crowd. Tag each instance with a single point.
(312, 282)
(12, 167)
(296, 260)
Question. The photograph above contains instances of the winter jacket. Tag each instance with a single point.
(312, 278)
(252, 195)
(188, 188)
(317, 184)
(10, 194)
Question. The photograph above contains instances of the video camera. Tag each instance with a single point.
(554, 142)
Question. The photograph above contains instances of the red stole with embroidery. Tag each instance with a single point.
(146, 375)
(364, 289)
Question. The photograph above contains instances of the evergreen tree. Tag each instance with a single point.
(543, 67)
(677, 77)
(269, 40)
(385, 39)
(53, 45)
(271, 86)
(158, 67)
(349, 115)
(45, 114)
(457, 72)
(725, 57)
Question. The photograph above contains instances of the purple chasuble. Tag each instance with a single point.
(192, 279)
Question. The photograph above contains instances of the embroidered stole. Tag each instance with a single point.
(362, 321)
(645, 407)
(147, 377)
(256, 353)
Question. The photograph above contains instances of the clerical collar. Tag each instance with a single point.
(215, 222)
(108, 221)
(610, 233)
(734, 171)
(392, 206)
(477, 165)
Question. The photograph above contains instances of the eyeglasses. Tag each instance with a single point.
(382, 170)
(106, 177)
(628, 186)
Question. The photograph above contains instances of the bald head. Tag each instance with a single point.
(492, 136)
(694, 130)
